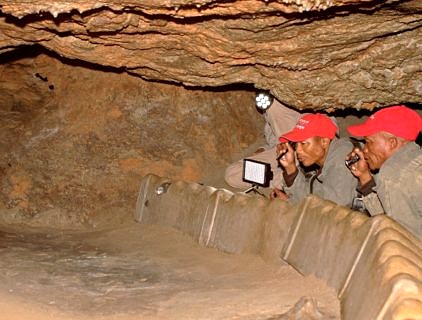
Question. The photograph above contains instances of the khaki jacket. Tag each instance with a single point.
(335, 182)
(398, 190)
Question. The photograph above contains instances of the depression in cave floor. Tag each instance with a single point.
(137, 271)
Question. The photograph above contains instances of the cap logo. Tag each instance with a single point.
(302, 123)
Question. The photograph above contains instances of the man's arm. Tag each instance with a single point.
(299, 189)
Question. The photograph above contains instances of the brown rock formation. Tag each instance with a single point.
(80, 126)
(319, 54)
(75, 142)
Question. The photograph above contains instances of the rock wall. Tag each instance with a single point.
(75, 141)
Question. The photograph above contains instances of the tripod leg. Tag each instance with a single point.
(253, 188)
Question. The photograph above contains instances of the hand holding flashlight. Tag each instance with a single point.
(286, 157)
(358, 166)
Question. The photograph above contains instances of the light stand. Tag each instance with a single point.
(254, 189)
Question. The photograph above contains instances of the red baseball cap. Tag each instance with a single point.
(311, 125)
(397, 120)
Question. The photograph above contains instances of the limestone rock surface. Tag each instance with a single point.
(318, 54)
(75, 142)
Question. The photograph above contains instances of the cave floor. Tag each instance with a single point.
(137, 271)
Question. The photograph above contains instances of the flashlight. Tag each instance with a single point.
(263, 100)
(352, 160)
(292, 144)
(281, 155)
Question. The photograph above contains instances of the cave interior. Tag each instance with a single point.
(97, 94)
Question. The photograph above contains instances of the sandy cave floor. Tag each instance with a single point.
(140, 271)
(127, 271)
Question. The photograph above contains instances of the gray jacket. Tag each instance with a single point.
(398, 190)
(335, 182)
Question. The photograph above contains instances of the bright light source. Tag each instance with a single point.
(263, 100)
(162, 188)
(257, 172)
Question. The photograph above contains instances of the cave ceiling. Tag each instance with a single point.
(319, 54)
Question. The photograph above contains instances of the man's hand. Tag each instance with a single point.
(286, 157)
(360, 169)
(279, 194)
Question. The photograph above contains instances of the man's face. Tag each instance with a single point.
(312, 151)
(376, 150)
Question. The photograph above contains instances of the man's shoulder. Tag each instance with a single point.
(406, 162)
(342, 143)
(340, 147)
(413, 159)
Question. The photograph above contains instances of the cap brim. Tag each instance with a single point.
(295, 136)
(362, 130)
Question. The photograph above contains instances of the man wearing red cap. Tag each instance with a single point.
(316, 147)
(390, 147)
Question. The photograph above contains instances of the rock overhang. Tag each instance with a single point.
(315, 54)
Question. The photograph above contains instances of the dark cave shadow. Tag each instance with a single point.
(32, 51)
